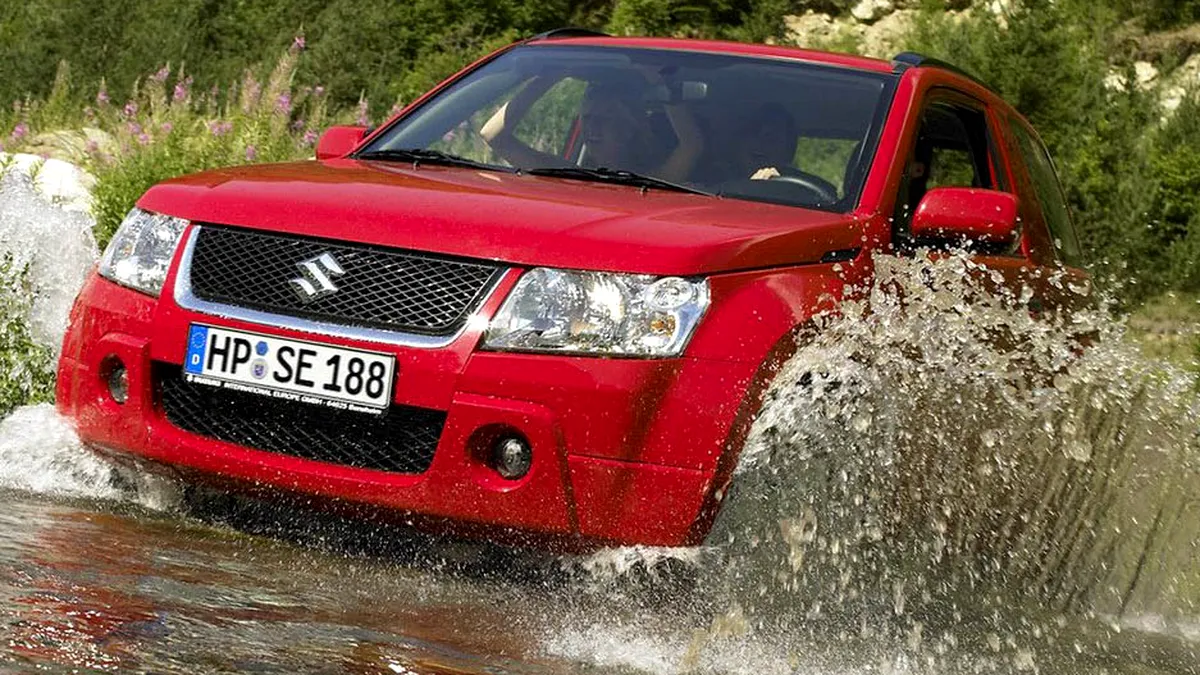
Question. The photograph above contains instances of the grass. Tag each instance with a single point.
(1168, 327)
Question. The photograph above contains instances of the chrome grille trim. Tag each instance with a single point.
(186, 299)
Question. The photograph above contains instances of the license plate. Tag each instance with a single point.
(295, 370)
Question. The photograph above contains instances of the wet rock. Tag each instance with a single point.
(814, 30)
(882, 39)
(885, 38)
(1145, 72)
(1183, 82)
(870, 11)
(62, 183)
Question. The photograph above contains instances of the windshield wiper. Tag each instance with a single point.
(422, 155)
(617, 176)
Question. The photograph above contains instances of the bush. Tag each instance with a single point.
(26, 368)
(359, 47)
(747, 20)
(1160, 14)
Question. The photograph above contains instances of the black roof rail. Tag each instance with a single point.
(905, 60)
(567, 32)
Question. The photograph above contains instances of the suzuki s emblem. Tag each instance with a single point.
(314, 280)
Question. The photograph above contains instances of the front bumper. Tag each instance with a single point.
(624, 450)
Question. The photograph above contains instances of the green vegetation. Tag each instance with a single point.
(26, 368)
(383, 50)
(1168, 327)
(160, 134)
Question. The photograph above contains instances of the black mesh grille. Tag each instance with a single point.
(380, 288)
(402, 441)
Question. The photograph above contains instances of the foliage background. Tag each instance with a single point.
(253, 90)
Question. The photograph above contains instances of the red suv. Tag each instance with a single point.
(545, 299)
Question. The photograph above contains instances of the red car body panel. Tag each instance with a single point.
(448, 210)
(625, 450)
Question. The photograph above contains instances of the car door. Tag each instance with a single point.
(958, 143)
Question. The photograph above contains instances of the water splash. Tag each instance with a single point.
(46, 231)
(927, 467)
(56, 246)
(40, 453)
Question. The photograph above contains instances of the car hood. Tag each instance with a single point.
(516, 218)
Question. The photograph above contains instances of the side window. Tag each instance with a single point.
(546, 126)
(1049, 193)
(952, 149)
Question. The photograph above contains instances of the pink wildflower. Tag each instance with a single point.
(309, 138)
(130, 109)
(396, 109)
(20, 131)
(283, 104)
(251, 91)
(134, 128)
(218, 129)
(298, 43)
(297, 125)
(143, 138)
(318, 91)
(166, 127)
(182, 90)
(362, 119)
(102, 96)
(91, 147)
(162, 75)
(251, 153)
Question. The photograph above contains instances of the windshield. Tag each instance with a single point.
(753, 128)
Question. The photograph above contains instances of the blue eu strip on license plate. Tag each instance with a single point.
(298, 370)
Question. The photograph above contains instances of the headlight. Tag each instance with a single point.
(599, 313)
(140, 252)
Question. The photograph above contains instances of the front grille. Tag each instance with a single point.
(402, 441)
(380, 287)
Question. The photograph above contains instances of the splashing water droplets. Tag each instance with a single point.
(959, 452)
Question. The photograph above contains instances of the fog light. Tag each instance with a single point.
(118, 381)
(511, 457)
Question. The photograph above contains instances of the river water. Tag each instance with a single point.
(934, 486)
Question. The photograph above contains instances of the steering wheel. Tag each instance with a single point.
(823, 188)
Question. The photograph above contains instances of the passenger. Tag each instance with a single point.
(614, 128)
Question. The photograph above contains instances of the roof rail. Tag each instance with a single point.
(567, 32)
(905, 60)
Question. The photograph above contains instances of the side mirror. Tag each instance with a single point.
(966, 214)
(339, 141)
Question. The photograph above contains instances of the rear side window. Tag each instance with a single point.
(1049, 194)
